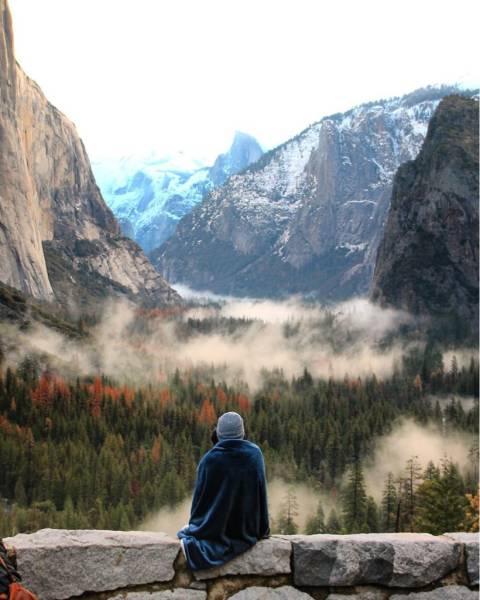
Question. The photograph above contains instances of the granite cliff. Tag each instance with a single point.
(428, 259)
(58, 239)
(308, 216)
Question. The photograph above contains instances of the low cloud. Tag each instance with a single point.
(288, 335)
(410, 439)
(170, 520)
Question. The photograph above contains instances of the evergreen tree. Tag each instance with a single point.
(355, 501)
(389, 505)
(432, 471)
(333, 523)
(286, 519)
(409, 483)
(20, 494)
(316, 523)
(441, 502)
(372, 518)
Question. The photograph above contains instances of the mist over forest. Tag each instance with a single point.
(324, 390)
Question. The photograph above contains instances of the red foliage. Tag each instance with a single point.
(165, 396)
(96, 398)
(207, 413)
(61, 388)
(113, 393)
(243, 403)
(156, 451)
(42, 395)
(221, 396)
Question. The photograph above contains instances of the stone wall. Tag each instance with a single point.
(60, 564)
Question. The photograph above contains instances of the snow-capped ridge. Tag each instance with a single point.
(150, 194)
(308, 215)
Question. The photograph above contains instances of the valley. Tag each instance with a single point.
(326, 289)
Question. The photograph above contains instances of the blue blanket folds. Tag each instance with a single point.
(229, 507)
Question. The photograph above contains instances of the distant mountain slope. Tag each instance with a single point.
(308, 216)
(149, 196)
(58, 239)
(428, 258)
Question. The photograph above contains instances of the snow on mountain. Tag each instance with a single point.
(308, 216)
(149, 195)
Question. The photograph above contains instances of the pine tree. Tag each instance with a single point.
(372, 518)
(286, 519)
(333, 523)
(389, 505)
(20, 494)
(441, 501)
(355, 501)
(410, 483)
(316, 523)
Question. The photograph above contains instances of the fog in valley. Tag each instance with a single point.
(238, 340)
(266, 335)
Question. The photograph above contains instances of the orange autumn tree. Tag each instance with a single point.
(42, 395)
(96, 398)
(221, 396)
(207, 413)
(156, 450)
(243, 403)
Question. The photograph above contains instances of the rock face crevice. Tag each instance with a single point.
(48, 195)
(428, 259)
(61, 564)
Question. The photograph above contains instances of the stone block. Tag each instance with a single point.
(388, 559)
(448, 592)
(267, 557)
(359, 594)
(58, 564)
(470, 542)
(177, 594)
(285, 592)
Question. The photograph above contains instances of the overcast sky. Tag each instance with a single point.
(185, 74)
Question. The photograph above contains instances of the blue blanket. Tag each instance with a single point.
(229, 507)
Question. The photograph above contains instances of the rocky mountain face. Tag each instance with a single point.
(308, 216)
(58, 239)
(150, 195)
(428, 258)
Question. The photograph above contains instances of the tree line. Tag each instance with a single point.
(91, 453)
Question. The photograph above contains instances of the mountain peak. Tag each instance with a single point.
(241, 137)
(307, 218)
(244, 151)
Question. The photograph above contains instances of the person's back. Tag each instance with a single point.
(229, 507)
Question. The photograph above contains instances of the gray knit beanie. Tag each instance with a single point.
(230, 427)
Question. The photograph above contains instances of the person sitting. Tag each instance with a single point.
(229, 511)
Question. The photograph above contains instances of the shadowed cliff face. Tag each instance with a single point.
(51, 210)
(428, 260)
